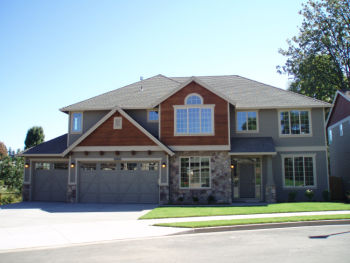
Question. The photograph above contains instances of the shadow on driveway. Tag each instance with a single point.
(60, 207)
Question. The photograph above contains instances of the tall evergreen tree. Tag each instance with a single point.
(35, 136)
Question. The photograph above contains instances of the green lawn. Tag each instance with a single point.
(181, 211)
(199, 224)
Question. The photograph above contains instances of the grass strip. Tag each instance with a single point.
(233, 222)
(190, 211)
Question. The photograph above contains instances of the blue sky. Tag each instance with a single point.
(55, 53)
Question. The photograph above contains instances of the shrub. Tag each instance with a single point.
(180, 199)
(195, 199)
(211, 199)
(291, 196)
(326, 195)
(309, 194)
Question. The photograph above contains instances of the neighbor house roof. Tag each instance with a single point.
(55, 147)
(242, 92)
(252, 145)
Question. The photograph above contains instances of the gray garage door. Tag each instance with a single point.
(50, 182)
(119, 182)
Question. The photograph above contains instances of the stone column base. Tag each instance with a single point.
(71, 194)
(164, 195)
(26, 192)
(270, 194)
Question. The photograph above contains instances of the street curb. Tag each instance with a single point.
(265, 226)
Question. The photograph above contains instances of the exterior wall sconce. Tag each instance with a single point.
(163, 165)
(72, 165)
(26, 165)
(232, 166)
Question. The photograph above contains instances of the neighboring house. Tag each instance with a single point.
(183, 140)
(338, 128)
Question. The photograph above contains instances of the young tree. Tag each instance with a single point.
(3, 150)
(35, 136)
(11, 172)
(323, 42)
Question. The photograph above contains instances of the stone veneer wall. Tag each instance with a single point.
(220, 179)
(26, 192)
(71, 193)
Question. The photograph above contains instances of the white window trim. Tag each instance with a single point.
(257, 122)
(314, 170)
(152, 121)
(199, 106)
(193, 94)
(71, 122)
(194, 188)
(294, 135)
(121, 123)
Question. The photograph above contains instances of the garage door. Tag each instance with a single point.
(119, 182)
(50, 182)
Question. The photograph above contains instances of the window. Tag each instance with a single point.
(77, 119)
(152, 166)
(298, 171)
(194, 117)
(195, 172)
(60, 166)
(108, 166)
(341, 130)
(88, 166)
(193, 99)
(246, 121)
(330, 136)
(128, 166)
(117, 123)
(42, 166)
(153, 116)
(294, 122)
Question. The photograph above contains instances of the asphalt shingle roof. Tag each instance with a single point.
(54, 146)
(252, 145)
(245, 92)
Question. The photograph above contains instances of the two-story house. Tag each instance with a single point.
(338, 128)
(184, 140)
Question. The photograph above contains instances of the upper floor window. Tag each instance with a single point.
(341, 132)
(294, 122)
(77, 119)
(194, 99)
(247, 121)
(194, 118)
(330, 136)
(152, 116)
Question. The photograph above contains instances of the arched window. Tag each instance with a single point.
(193, 99)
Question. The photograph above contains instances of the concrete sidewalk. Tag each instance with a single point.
(63, 225)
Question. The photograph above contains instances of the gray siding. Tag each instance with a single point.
(140, 116)
(268, 127)
(90, 118)
(339, 151)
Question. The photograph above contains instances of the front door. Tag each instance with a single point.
(246, 180)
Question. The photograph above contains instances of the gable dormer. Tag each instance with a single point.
(194, 116)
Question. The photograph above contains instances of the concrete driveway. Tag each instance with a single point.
(41, 224)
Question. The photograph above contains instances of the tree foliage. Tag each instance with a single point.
(35, 136)
(3, 150)
(320, 54)
(11, 172)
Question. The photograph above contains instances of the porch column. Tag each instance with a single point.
(270, 188)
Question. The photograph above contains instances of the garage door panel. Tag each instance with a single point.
(50, 185)
(118, 186)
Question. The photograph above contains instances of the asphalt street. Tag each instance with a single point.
(297, 244)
